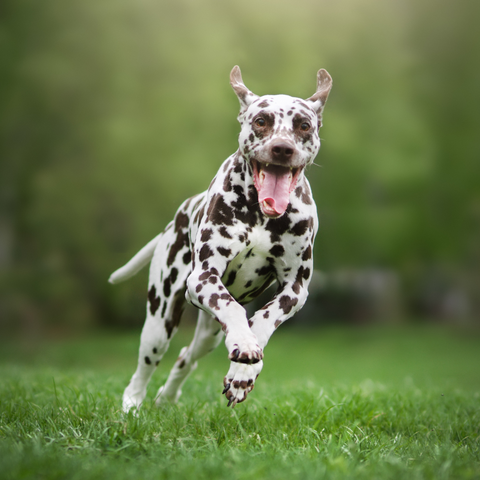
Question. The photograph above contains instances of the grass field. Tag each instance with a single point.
(364, 403)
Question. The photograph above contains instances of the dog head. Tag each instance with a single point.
(279, 138)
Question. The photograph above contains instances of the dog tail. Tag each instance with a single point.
(136, 263)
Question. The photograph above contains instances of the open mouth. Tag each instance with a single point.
(274, 183)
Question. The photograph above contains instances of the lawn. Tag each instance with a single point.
(357, 403)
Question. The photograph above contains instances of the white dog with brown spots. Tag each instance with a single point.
(255, 225)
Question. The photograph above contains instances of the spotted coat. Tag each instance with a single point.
(254, 226)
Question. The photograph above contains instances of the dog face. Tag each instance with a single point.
(278, 139)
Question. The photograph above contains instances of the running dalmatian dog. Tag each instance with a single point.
(254, 225)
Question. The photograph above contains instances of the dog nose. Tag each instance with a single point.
(282, 151)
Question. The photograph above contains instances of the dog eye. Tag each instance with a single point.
(305, 126)
(260, 122)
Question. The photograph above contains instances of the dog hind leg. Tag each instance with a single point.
(208, 335)
(166, 301)
(153, 344)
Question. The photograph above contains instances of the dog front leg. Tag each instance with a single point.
(288, 300)
(240, 379)
(206, 291)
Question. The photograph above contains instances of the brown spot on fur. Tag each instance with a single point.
(213, 301)
(181, 241)
(153, 299)
(277, 227)
(301, 227)
(187, 258)
(181, 221)
(306, 273)
(173, 275)
(238, 163)
(307, 198)
(167, 287)
(223, 325)
(219, 213)
(206, 234)
(225, 252)
(205, 252)
(176, 315)
(224, 232)
(307, 253)
(277, 250)
(298, 281)
(287, 303)
(290, 209)
(227, 183)
(304, 195)
(277, 323)
(206, 275)
(227, 297)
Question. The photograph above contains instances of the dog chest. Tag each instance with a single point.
(252, 269)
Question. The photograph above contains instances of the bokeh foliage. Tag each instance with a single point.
(113, 112)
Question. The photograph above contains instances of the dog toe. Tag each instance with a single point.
(240, 381)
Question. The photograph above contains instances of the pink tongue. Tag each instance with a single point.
(275, 189)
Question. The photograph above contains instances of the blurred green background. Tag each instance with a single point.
(113, 112)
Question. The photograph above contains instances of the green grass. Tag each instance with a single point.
(342, 404)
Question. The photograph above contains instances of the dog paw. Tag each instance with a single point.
(240, 381)
(132, 401)
(163, 396)
(246, 350)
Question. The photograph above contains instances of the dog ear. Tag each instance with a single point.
(245, 96)
(324, 84)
